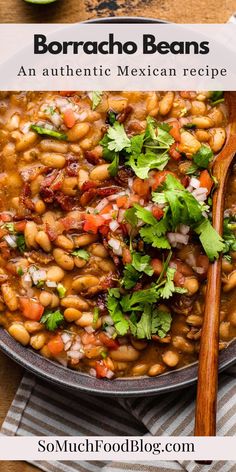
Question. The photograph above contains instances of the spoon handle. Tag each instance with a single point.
(205, 413)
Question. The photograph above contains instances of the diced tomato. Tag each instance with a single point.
(5, 217)
(175, 130)
(108, 342)
(206, 180)
(157, 212)
(160, 177)
(101, 369)
(185, 180)
(106, 209)
(20, 226)
(56, 345)
(3, 232)
(31, 309)
(133, 199)
(93, 222)
(174, 153)
(183, 270)
(104, 230)
(126, 256)
(157, 266)
(141, 187)
(69, 118)
(122, 202)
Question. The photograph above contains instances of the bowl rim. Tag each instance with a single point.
(120, 387)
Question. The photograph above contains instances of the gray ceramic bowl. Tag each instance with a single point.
(79, 382)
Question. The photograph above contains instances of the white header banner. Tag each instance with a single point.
(117, 57)
(97, 448)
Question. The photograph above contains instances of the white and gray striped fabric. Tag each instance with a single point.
(41, 410)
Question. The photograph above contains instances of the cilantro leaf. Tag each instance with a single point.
(211, 241)
(9, 226)
(107, 154)
(118, 139)
(52, 319)
(136, 144)
(114, 166)
(82, 254)
(130, 276)
(111, 117)
(229, 236)
(216, 97)
(203, 156)
(135, 300)
(96, 99)
(145, 215)
(48, 132)
(157, 135)
(151, 322)
(20, 241)
(143, 163)
(161, 323)
(130, 216)
(114, 308)
(150, 236)
(142, 263)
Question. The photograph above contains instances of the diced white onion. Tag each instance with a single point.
(65, 337)
(26, 127)
(10, 240)
(51, 284)
(38, 276)
(106, 216)
(81, 116)
(195, 183)
(114, 225)
(102, 204)
(75, 355)
(175, 238)
(184, 229)
(89, 329)
(110, 330)
(109, 374)
(130, 182)
(121, 215)
(56, 119)
(92, 372)
(116, 195)
(108, 320)
(116, 246)
(200, 194)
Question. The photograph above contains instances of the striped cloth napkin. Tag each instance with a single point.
(42, 410)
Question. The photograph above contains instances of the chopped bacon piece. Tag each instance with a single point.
(123, 115)
(25, 197)
(72, 166)
(66, 202)
(94, 156)
(88, 185)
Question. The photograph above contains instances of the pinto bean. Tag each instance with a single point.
(198, 108)
(230, 282)
(32, 326)
(191, 284)
(138, 344)
(171, 358)
(40, 207)
(232, 318)
(217, 140)
(18, 332)
(72, 314)
(63, 259)
(64, 242)
(98, 250)
(45, 298)
(156, 369)
(37, 341)
(117, 104)
(166, 103)
(85, 320)
(78, 131)
(52, 159)
(25, 141)
(9, 297)
(225, 330)
(100, 172)
(85, 239)
(202, 135)
(69, 186)
(51, 145)
(182, 344)
(203, 122)
(84, 282)
(43, 241)
(125, 353)
(74, 301)
(140, 369)
(188, 144)
(30, 234)
(194, 320)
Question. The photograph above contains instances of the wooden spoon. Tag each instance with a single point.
(205, 415)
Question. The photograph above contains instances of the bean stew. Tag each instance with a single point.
(105, 227)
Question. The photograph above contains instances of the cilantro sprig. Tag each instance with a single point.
(52, 319)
